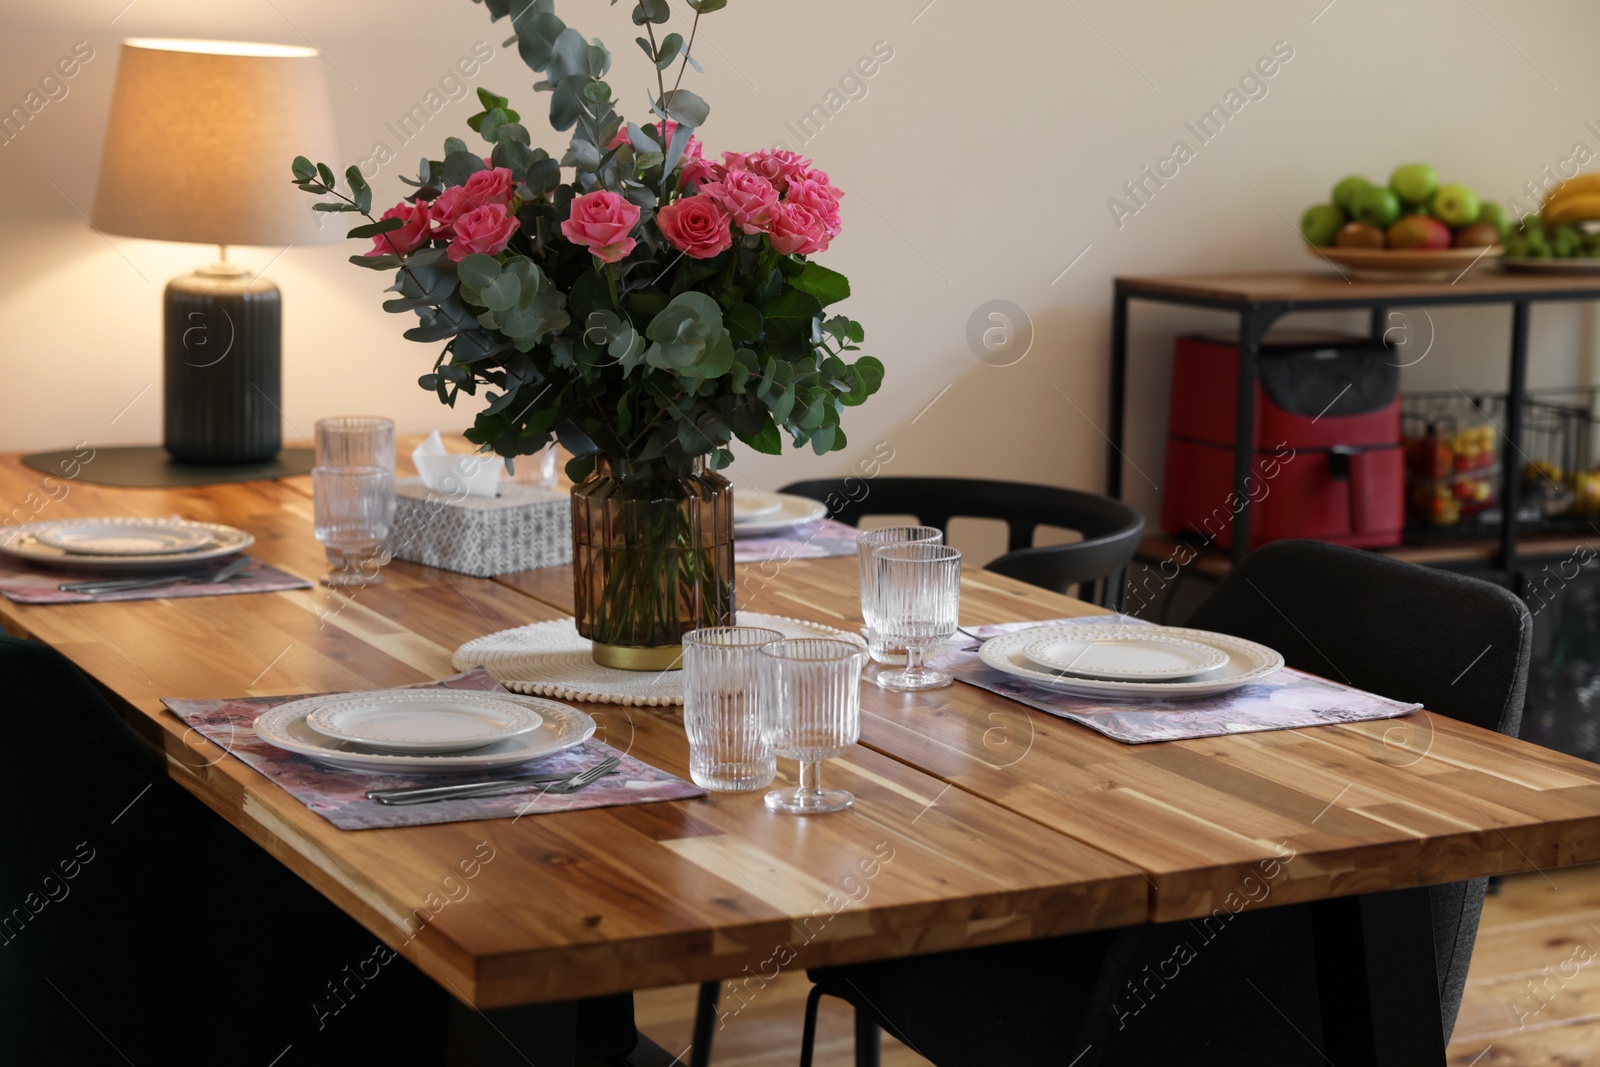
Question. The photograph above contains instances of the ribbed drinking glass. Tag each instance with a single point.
(918, 604)
(355, 441)
(811, 711)
(353, 509)
(866, 541)
(722, 710)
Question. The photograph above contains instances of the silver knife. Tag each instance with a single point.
(388, 795)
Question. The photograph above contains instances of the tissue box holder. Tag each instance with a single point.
(521, 529)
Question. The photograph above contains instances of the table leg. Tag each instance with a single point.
(1119, 391)
(1378, 981)
(572, 1033)
(705, 1018)
(869, 1041)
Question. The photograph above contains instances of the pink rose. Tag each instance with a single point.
(697, 226)
(407, 238)
(821, 198)
(778, 166)
(492, 186)
(483, 230)
(748, 197)
(696, 172)
(797, 229)
(602, 221)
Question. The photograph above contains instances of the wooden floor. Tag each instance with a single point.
(1532, 1000)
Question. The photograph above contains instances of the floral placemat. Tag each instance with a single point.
(1288, 700)
(340, 796)
(35, 585)
(812, 540)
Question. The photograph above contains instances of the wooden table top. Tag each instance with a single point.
(1329, 287)
(571, 904)
(1360, 807)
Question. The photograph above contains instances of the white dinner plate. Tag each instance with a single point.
(750, 504)
(562, 728)
(123, 536)
(23, 543)
(1123, 653)
(1247, 663)
(423, 720)
(791, 511)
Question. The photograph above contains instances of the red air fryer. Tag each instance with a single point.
(1328, 463)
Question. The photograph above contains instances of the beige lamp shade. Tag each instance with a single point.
(200, 140)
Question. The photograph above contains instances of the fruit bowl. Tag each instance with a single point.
(1530, 265)
(1405, 264)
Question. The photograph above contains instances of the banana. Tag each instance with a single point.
(1578, 186)
(1578, 208)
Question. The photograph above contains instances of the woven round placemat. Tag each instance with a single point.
(550, 659)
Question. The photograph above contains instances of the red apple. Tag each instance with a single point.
(1419, 232)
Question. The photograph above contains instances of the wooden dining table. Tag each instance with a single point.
(979, 821)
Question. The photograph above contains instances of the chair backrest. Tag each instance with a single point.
(1110, 528)
(1457, 645)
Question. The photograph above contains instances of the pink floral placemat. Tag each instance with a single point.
(812, 540)
(340, 796)
(1288, 700)
(35, 585)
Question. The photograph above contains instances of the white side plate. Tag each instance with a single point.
(24, 543)
(423, 720)
(562, 728)
(751, 504)
(123, 537)
(1124, 653)
(1247, 663)
(792, 511)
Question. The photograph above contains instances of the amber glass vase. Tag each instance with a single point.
(652, 559)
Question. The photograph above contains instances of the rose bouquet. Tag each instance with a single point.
(632, 298)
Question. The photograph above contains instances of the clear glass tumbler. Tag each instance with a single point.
(918, 604)
(721, 708)
(811, 711)
(355, 441)
(354, 507)
(866, 541)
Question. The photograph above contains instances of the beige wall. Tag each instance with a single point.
(978, 166)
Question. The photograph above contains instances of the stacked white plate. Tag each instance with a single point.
(120, 543)
(1126, 661)
(757, 513)
(424, 731)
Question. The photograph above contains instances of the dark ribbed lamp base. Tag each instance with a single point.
(224, 369)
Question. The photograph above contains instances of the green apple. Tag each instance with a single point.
(1320, 224)
(1415, 183)
(1376, 206)
(1494, 214)
(1345, 192)
(1456, 205)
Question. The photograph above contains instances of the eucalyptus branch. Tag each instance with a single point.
(693, 29)
(661, 83)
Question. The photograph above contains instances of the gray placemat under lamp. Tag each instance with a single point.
(149, 467)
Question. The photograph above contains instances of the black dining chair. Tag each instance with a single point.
(1259, 992)
(1110, 528)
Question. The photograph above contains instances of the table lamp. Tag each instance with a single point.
(197, 150)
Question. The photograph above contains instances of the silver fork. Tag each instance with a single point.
(398, 797)
(232, 570)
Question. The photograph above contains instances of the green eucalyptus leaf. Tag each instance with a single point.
(671, 47)
(304, 169)
(791, 314)
(683, 106)
(459, 166)
(705, 7)
(373, 229)
(536, 38)
(655, 11)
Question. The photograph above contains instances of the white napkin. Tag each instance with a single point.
(456, 474)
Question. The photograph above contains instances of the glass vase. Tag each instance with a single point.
(652, 559)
